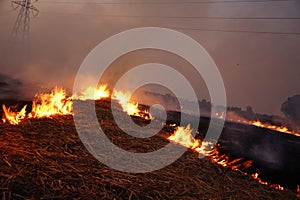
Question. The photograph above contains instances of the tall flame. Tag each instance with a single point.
(58, 103)
(53, 103)
(44, 105)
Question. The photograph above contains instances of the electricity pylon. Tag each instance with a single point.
(22, 24)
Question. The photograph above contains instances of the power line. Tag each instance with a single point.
(168, 3)
(225, 30)
(179, 17)
(237, 31)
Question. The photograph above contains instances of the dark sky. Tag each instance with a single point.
(259, 69)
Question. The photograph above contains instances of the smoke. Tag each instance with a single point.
(62, 35)
(16, 89)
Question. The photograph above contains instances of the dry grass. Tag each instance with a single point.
(45, 159)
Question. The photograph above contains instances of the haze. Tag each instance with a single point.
(259, 69)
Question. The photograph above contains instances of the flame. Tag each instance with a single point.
(282, 129)
(54, 103)
(93, 93)
(226, 162)
(58, 103)
(276, 186)
(44, 105)
(183, 136)
(124, 100)
(13, 117)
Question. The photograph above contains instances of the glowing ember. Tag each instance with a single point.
(276, 186)
(54, 103)
(226, 161)
(13, 117)
(127, 106)
(93, 93)
(282, 129)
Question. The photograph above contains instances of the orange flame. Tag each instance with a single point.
(54, 103)
(13, 117)
(93, 93)
(226, 162)
(127, 106)
(44, 105)
(58, 103)
(183, 136)
(276, 186)
(282, 129)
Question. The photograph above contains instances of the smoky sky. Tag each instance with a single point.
(259, 69)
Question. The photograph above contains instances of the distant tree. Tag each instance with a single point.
(291, 109)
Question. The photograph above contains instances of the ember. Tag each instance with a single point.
(276, 186)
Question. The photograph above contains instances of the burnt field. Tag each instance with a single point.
(45, 159)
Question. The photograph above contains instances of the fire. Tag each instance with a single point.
(93, 93)
(183, 136)
(258, 123)
(127, 106)
(13, 117)
(54, 103)
(276, 186)
(44, 105)
(226, 162)
(58, 103)
(282, 129)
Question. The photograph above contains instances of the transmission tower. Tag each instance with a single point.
(22, 24)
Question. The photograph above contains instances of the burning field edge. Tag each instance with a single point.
(45, 159)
